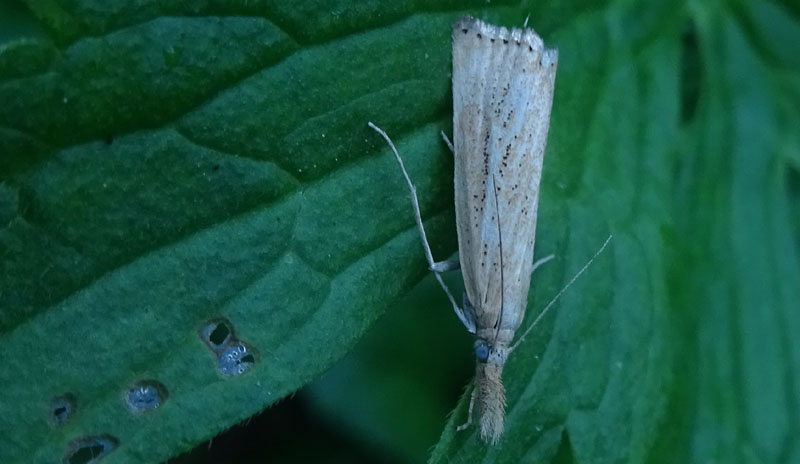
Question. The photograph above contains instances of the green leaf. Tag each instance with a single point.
(168, 166)
(164, 173)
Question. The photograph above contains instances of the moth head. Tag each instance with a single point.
(481, 351)
(485, 352)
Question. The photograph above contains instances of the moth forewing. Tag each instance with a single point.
(502, 94)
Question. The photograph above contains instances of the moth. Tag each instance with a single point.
(503, 84)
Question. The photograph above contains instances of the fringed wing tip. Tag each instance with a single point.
(467, 24)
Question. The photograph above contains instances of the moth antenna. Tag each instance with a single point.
(468, 323)
(500, 244)
(558, 295)
(448, 142)
(414, 199)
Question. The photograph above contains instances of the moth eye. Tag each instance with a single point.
(482, 352)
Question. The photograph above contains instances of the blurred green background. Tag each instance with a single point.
(165, 164)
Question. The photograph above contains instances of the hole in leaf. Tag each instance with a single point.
(89, 450)
(220, 335)
(62, 409)
(217, 334)
(236, 359)
(145, 396)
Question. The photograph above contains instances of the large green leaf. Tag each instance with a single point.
(167, 171)
(165, 165)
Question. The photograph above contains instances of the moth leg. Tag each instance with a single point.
(446, 265)
(448, 142)
(428, 255)
(467, 320)
(469, 412)
(541, 261)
